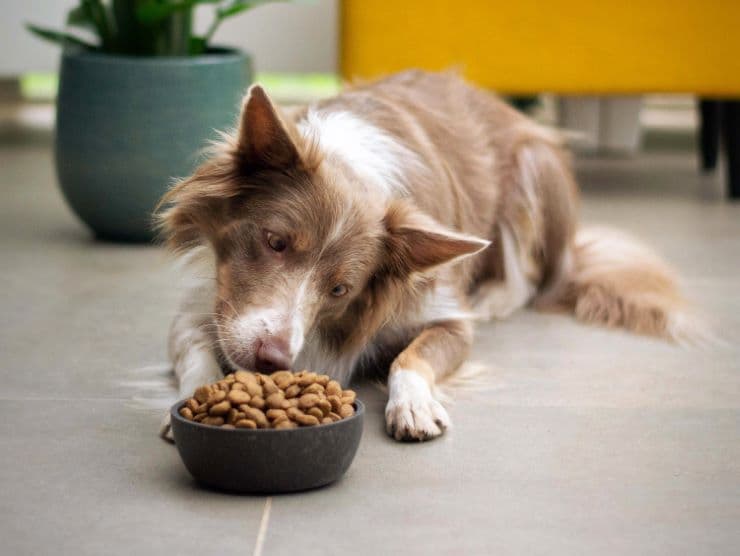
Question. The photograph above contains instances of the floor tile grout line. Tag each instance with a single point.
(264, 524)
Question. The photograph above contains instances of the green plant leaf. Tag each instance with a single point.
(234, 7)
(154, 11)
(197, 45)
(237, 6)
(58, 37)
(80, 17)
(98, 15)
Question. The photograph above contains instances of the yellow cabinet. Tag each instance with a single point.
(564, 46)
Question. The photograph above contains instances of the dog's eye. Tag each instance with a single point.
(276, 243)
(339, 290)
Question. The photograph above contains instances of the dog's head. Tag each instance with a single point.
(300, 253)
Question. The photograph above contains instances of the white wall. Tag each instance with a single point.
(287, 37)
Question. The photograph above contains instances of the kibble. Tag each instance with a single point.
(292, 391)
(308, 400)
(237, 397)
(220, 408)
(333, 388)
(316, 412)
(257, 402)
(281, 400)
(276, 400)
(245, 424)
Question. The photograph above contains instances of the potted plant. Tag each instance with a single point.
(137, 103)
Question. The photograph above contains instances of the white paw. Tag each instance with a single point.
(165, 429)
(412, 412)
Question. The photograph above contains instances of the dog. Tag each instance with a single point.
(372, 229)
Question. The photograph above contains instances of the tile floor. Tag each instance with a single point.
(585, 442)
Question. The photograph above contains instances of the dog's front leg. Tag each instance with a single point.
(193, 359)
(413, 412)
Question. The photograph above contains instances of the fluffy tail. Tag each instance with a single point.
(613, 280)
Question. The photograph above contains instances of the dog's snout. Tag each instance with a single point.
(273, 354)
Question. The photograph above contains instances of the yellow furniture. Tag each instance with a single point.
(566, 47)
(562, 46)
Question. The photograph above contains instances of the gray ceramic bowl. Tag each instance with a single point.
(267, 460)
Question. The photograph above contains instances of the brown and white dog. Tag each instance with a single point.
(373, 228)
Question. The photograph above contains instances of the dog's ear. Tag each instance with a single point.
(263, 140)
(417, 242)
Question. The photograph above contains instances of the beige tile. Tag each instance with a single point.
(90, 477)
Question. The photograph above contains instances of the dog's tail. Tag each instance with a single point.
(614, 280)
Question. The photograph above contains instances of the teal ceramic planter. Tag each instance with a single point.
(126, 126)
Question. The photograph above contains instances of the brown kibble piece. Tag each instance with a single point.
(327, 420)
(276, 400)
(306, 379)
(285, 424)
(231, 416)
(348, 396)
(293, 412)
(186, 413)
(217, 396)
(223, 385)
(258, 417)
(316, 412)
(202, 394)
(279, 376)
(245, 424)
(285, 382)
(254, 389)
(215, 421)
(335, 416)
(244, 377)
(238, 386)
(275, 414)
(202, 408)
(221, 408)
(306, 420)
(228, 426)
(257, 402)
(237, 397)
(323, 380)
(346, 410)
(269, 387)
(292, 391)
(307, 400)
(333, 388)
(325, 406)
(335, 402)
(314, 388)
(192, 404)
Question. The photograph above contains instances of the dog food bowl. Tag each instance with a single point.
(267, 460)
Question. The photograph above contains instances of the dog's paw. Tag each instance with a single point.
(165, 429)
(412, 412)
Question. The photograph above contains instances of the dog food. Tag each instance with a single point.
(282, 400)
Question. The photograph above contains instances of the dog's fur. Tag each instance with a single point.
(430, 202)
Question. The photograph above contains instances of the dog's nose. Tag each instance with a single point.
(273, 355)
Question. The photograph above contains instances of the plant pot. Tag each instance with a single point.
(126, 126)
